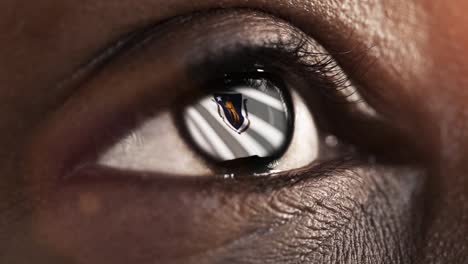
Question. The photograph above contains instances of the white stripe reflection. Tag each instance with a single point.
(262, 97)
(198, 137)
(267, 131)
(220, 147)
(247, 142)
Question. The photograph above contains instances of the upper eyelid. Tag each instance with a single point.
(138, 37)
(134, 40)
(299, 46)
(149, 40)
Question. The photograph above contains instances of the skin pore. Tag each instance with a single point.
(58, 70)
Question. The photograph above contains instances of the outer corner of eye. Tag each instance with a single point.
(248, 119)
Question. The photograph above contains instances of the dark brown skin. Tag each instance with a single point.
(414, 211)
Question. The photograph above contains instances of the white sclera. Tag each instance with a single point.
(155, 146)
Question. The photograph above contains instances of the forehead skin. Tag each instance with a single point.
(419, 77)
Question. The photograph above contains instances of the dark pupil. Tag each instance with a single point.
(245, 119)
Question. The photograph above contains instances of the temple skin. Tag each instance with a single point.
(418, 79)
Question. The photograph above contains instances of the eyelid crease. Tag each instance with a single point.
(99, 61)
(123, 44)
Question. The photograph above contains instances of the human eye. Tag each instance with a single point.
(259, 102)
(246, 122)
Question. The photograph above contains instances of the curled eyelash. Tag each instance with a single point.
(327, 74)
(291, 51)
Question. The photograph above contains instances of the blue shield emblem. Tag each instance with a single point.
(232, 108)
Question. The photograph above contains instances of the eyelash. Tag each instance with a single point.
(325, 82)
(325, 74)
